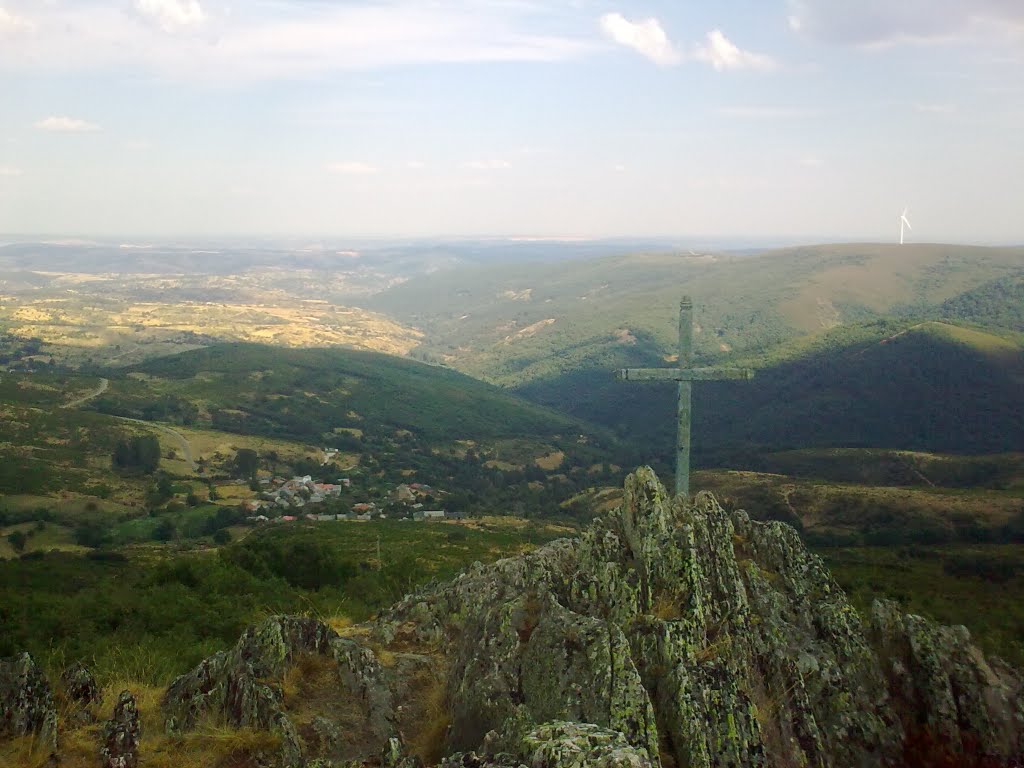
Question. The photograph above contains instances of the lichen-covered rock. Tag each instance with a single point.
(560, 745)
(242, 686)
(947, 689)
(122, 734)
(671, 632)
(26, 702)
(80, 686)
(705, 638)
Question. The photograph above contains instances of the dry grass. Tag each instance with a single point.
(210, 746)
(430, 735)
(667, 607)
(551, 461)
(93, 328)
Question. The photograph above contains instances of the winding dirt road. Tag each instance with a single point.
(186, 449)
(104, 383)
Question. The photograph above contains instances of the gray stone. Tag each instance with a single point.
(81, 693)
(26, 702)
(122, 734)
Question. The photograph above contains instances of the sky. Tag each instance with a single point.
(790, 119)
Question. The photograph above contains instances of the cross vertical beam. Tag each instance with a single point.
(685, 374)
(684, 408)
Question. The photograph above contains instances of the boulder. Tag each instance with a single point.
(560, 745)
(81, 693)
(242, 686)
(701, 638)
(122, 734)
(671, 632)
(26, 702)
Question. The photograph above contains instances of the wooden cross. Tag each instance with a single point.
(685, 375)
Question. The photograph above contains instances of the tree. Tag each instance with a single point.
(247, 461)
(18, 540)
(140, 453)
(222, 536)
(165, 530)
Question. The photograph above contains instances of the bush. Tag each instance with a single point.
(92, 535)
(140, 453)
(18, 540)
(222, 536)
(165, 530)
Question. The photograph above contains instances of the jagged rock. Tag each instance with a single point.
(326, 736)
(26, 702)
(81, 692)
(962, 703)
(670, 632)
(241, 686)
(122, 734)
(703, 637)
(560, 745)
(394, 755)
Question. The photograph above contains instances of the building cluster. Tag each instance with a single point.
(286, 501)
(278, 494)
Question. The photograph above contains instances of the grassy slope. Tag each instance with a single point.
(931, 387)
(484, 320)
(306, 393)
(151, 614)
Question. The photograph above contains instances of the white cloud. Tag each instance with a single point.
(722, 54)
(645, 37)
(353, 168)
(887, 22)
(66, 125)
(12, 23)
(935, 109)
(172, 14)
(7, 171)
(810, 160)
(286, 39)
(415, 165)
(494, 164)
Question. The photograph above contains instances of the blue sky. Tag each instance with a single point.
(801, 119)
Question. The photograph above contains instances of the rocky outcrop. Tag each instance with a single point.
(122, 734)
(702, 638)
(26, 702)
(670, 633)
(243, 687)
(560, 745)
(81, 693)
(961, 702)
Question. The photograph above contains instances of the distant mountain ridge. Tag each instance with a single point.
(514, 324)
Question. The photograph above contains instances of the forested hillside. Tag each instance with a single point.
(930, 386)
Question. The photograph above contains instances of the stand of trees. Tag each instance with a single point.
(137, 454)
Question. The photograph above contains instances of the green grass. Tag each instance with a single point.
(307, 394)
(847, 512)
(979, 586)
(146, 614)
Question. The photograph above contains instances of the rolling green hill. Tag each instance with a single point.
(930, 386)
(515, 324)
(309, 393)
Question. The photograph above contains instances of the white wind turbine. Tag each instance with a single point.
(904, 222)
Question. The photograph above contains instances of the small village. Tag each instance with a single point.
(301, 498)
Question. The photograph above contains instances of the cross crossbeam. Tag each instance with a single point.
(685, 375)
